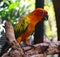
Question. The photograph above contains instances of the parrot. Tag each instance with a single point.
(26, 26)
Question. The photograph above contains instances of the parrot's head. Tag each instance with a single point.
(39, 13)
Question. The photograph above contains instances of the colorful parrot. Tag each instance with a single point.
(27, 24)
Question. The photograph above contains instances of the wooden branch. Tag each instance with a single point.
(41, 49)
(44, 48)
(16, 50)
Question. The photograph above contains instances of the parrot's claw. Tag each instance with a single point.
(23, 50)
(32, 47)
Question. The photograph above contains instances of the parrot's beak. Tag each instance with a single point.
(46, 17)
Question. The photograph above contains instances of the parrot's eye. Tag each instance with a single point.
(42, 12)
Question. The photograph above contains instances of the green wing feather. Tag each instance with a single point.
(21, 26)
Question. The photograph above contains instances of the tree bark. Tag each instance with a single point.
(56, 4)
(16, 50)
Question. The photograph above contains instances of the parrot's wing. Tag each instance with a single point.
(21, 26)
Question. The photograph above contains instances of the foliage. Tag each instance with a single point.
(13, 10)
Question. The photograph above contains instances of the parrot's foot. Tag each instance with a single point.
(32, 47)
(23, 50)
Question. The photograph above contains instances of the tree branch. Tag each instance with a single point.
(41, 49)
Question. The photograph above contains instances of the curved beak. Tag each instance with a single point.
(46, 17)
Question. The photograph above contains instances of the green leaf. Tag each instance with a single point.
(13, 6)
